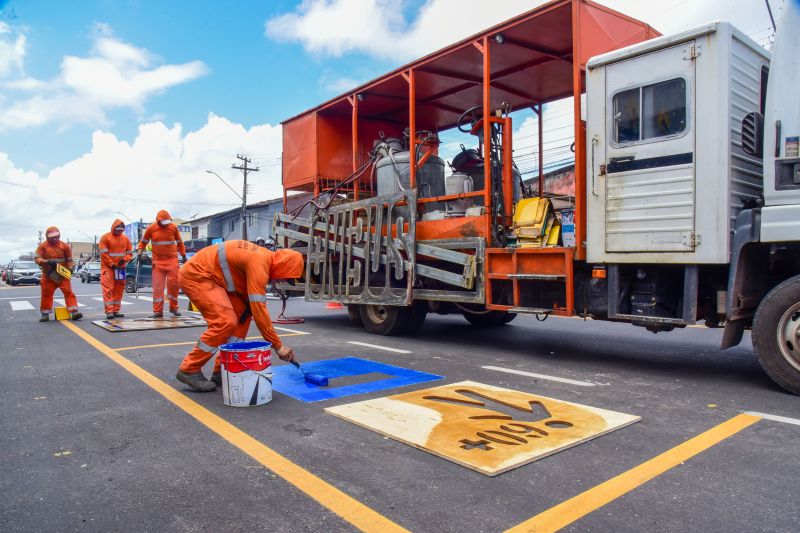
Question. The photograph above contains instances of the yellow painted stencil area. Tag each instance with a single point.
(489, 429)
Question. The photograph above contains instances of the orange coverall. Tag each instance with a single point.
(62, 253)
(113, 249)
(222, 281)
(167, 244)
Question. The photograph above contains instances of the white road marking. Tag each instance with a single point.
(182, 297)
(20, 305)
(288, 330)
(776, 418)
(60, 301)
(123, 301)
(541, 376)
(378, 347)
(146, 298)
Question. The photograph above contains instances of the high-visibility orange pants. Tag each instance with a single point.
(48, 288)
(165, 273)
(112, 290)
(222, 311)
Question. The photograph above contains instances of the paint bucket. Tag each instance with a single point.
(246, 373)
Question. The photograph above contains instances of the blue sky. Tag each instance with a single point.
(111, 106)
(252, 79)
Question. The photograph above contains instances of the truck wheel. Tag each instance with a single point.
(385, 319)
(354, 313)
(492, 318)
(776, 334)
(419, 311)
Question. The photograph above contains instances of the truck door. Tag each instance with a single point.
(650, 171)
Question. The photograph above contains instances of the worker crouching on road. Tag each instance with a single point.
(115, 253)
(228, 285)
(166, 243)
(50, 253)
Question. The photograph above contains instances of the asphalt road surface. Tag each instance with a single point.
(97, 435)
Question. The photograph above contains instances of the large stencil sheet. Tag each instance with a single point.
(489, 429)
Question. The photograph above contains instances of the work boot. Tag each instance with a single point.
(109, 316)
(175, 312)
(216, 377)
(196, 381)
(77, 315)
(118, 315)
(157, 315)
(45, 317)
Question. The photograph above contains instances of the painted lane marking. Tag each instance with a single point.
(145, 298)
(776, 418)
(60, 301)
(20, 305)
(338, 502)
(541, 376)
(144, 346)
(567, 512)
(289, 330)
(123, 301)
(379, 347)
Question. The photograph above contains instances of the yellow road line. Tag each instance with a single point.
(575, 508)
(346, 507)
(144, 346)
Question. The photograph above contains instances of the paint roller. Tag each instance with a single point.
(315, 379)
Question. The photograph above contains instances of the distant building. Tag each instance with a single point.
(227, 225)
(83, 250)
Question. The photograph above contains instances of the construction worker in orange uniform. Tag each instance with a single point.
(227, 283)
(50, 253)
(166, 243)
(116, 251)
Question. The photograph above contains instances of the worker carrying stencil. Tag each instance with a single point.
(228, 285)
(51, 253)
(165, 240)
(116, 252)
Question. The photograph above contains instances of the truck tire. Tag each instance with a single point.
(130, 285)
(385, 319)
(419, 311)
(776, 334)
(490, 319)
(354, 313)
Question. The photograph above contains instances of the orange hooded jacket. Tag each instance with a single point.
(166, 240)
(245, 269)
(115, 247)
(61, 253)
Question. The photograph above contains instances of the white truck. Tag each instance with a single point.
(687, 183)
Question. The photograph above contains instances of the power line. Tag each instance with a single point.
(112, 197)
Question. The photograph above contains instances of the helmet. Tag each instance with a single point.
(260, 241)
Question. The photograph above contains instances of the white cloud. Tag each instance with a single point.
(114, 75)
(162, 164)
(378, 28)
(12, 51)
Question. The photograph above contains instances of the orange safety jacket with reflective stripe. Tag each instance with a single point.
(61, 253)
(244, 269)
(115, 247)
(166, 240)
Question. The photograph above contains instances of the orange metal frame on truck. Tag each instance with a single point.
(530, 60)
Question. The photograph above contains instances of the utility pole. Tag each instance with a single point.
(245, 169)
(40, 235)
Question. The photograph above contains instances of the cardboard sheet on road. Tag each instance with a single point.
(142, 324)
(485, 428)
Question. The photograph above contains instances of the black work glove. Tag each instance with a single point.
(121, 262)
(184, 258)
(52, 262)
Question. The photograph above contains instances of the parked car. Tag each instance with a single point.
(89, 272)
(145, 273)
(20, 272)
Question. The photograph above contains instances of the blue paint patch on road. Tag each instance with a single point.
(289, 380)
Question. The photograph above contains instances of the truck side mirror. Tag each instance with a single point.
(753, 134)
